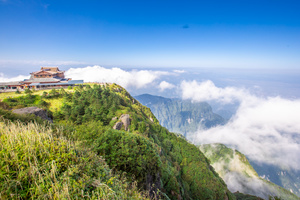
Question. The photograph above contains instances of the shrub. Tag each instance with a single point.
(54, 93)
(45, 94)
(4, 105)
(37, 165)
(28, 91)
(129, 152)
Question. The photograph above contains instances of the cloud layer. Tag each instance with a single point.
(267, 130)
(134, 78)
(206, 91)
(17, 78)
(165, 85)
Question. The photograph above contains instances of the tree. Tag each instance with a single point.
(53, 93)
(45, 94)
(28, 91)
(18, 92)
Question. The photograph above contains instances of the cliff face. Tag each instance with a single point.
(181, 116)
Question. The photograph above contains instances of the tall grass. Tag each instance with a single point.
(34, 164)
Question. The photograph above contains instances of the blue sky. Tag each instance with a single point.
(222, 34)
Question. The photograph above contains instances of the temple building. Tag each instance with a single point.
(46, 77)
(48, 72)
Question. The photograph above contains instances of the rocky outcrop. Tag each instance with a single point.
(34, 110)
(118, 126)
(123, 120)
(126, 121)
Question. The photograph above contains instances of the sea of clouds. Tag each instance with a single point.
(128, 79)
(4, 78)
(265, 129)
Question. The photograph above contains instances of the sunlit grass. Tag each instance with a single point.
(4, 95)
(54, 104)
(35, 164)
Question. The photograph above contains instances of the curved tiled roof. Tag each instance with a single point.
(40, 80)
(50, 70)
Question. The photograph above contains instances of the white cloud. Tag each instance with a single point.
(178, 71)
(17, 78)
(134, 78)
(265, 129)
(206, 91)
(165, 85)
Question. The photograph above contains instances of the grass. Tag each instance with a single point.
(55, 104)
(35, 163)
(5, 95)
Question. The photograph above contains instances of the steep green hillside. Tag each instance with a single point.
(163, 164)
(181, 116)
(37, 162)
(239, 175)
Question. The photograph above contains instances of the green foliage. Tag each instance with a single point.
(18, 92)
(241, 196)
(91, 104)
(26, 101)
(37, 165)
(4, 105)
(28, 91)
(54, 93)
(149, 152)
(45, 94)
(43, 103)
(130, 153)
(275, 198)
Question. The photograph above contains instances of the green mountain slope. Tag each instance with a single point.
(181, 116)
(287, 178)
(164, 165)
(38, 162)
(238, 173)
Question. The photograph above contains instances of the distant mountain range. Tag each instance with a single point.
(287, 178)
(239, 175)
(181, 116)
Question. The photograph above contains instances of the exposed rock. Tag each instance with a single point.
(126, 121)
(34, 110)
(114, 118)
(118, 126)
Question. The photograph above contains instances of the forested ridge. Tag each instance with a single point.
(162, 164)
(181, 116)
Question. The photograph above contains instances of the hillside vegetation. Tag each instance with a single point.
(37, 162)
(239, 175)
(163, 165)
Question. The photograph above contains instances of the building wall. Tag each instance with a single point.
(48, 75)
